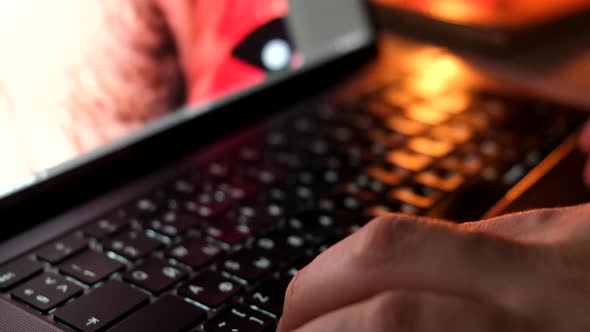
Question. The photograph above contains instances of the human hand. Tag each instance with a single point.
(521, 272)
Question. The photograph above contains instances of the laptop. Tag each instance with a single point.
(195, 219)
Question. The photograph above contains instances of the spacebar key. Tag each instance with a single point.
(101, 307)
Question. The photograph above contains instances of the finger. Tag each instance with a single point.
(403, 311)
(585, 138)
(403, 252)
(543, 226)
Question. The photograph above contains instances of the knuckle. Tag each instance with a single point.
(385, 236)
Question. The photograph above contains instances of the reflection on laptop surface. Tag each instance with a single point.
(210, 242)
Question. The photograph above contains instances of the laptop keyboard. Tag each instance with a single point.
(214, 249)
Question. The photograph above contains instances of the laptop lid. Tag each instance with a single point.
(87, 89)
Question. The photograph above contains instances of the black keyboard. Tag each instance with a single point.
(214, 249)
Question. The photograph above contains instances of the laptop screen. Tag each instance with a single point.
(76, 76)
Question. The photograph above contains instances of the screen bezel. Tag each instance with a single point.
(70, 184)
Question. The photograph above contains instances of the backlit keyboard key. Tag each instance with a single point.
(248, 265)
(390, 178)
(426, 115)
(106, 226)
(46, 291)
(155, 275)
(207, 207)
(239, 318)
(281, 244)
(16, 271)
(457, 134)
(229, 232)
(90, 267)
(172, 224)
(210, 289)
(409, 160)
(59, 250)
(102, 307)
(269, 296)
(169, 314)
(405, 126)
(132, 245)
(410, 196)
(447, 182)
(195, 252)
(317, 223)
(430, 147)
(452, 103)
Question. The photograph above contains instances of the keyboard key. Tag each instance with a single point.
(266, 175)
(269, 296)
(90, 267)
(155, 275)
(169, 314)
(319, 223)
(218, 169)
(261, 214)
(183, 188)
(239, 189)
(17, 271)
(59, 250)
(467, 162)
(420, 196)
(441, 179)
(426, 115)
(106, 226)
(240, 318)
(390, 178)
(280, 244)
(229, 231)
(145, 207)
(248, 265)
(172, 223)
(46, 291)
(207, 207)
(452, 103)
(195, 252)
(210, 288)
(430, 147)
(457, 134)
(133, 245)
(102, 307)
(409, 160)
(405, 126)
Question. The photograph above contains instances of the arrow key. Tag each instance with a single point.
(46, 291)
